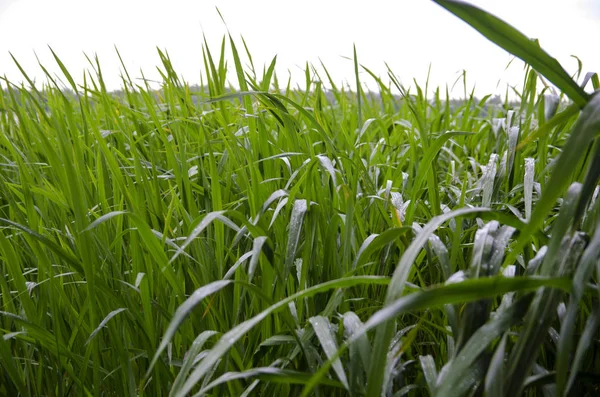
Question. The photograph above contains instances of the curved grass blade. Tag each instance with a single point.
(322, 329)
(459, 368)
(328, 166)
(237, 264)
(271, 374)
(487, 180)
(207, 220)
(190, 359)
(103, 219)
(103, 323)
(551, 103)
(584, 131)
(295, 227)
(515, 42)
(430, 373)
(377, 241)
(441, 252)
(351, 324)
(493, 385)
(233, 335)
(584, 270)
(182, 312)
(397, 284)
(57, 249)
(276, 195)
(462, 292)
(257, 248)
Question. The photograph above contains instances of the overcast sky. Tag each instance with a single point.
(407, 34)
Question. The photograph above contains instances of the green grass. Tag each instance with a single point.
(265, 240)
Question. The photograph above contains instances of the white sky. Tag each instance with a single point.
(407, 34)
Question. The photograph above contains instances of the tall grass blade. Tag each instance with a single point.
(295, 227)
(322, 328)
(461, 292)
(397, 285)
(104, 322)
(430, 373)
(493, 386)
(191, 357)
(513, 41)
(565, 343)
(453, 378)
(182, 312)
(232, 336)
(584, 131)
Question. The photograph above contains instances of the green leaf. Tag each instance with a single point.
(182, 312)
(104, 322)
(206, 221)
(236, 333)
(461, 292)
(10, 367)
(57, 249)
(430, 372)
(584, 271)
(584, 131)
(494, 377)
(322, 328)
(103, 219)
(375, 242)
(295, 227)
(397, 284)
(515, 42)
(190, 359)
(351, 324)
(453, 379)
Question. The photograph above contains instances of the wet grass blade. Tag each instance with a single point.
(584, 131)
(528, 186)
(459, 368)
(395, 290)
(585, 341)
(295, 227)
(565, 344)
(462, 292)
(430, 373)
(495, 374)
(322, 328)
(377, 241)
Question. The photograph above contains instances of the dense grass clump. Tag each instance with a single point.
(313, 241)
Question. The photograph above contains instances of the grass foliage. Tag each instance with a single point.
(281, 241)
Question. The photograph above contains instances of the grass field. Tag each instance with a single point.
(279, 241)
